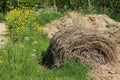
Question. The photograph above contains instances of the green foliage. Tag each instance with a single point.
(20, 62)
(71, 70)
(116, 17)
(20, 59)
(63, 4)
(2, 17)
(20, 22)
(47, 17)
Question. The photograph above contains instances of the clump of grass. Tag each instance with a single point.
(71, 70)
(48, 17)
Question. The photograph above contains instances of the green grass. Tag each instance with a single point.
(20, 62)
(48, 17)
(20, 59)
(110, 13)
(71, 70)
(116, 17)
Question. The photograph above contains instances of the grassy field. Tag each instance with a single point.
(20, 58)
(20, 62)
(47, 17)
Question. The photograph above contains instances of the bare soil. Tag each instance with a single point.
(2, 34)
(102, 23)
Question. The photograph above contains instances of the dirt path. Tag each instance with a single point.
(2, 34)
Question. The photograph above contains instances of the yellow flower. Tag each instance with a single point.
(1, 61)
(3, 50)
(20, 21)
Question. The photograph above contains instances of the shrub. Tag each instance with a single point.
(2, 17)
(21, 22)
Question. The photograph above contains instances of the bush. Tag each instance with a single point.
(2, 17)
(21, 22)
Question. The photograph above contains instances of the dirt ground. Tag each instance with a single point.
(102, 23)
(2, 34)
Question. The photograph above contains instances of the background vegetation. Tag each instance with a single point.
(108, 7)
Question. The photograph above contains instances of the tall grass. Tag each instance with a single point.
(20, 62)
(48, 17)
(116, 16)
(20, 59)
(110, 13)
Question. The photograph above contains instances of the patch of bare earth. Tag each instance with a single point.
(109, 28)
(2, 34)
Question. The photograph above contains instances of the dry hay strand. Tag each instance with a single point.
(81, 43)
(94, 21)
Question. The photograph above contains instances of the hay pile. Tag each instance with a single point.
(87, 45)
(99, 22)
(91, 39)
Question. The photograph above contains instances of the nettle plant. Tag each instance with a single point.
(21, 22)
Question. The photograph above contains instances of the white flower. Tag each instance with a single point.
(34, 50)
(21, 46)
(35, 42)
(26, 38)
(33, 54)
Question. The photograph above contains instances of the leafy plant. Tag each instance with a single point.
(21, 21)
(2, 17)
